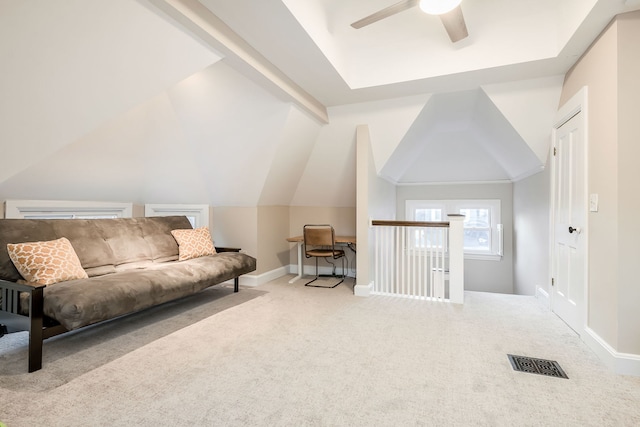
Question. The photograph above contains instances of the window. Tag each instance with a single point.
(482, 228)
(198, 215)
(59, 209)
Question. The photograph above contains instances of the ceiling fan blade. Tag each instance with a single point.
(454, 24)
(386, 12)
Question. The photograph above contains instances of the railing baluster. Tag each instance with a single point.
(411, 260)
(387, 260)
(378, 267)
(433, 260)
(402, 273)
(415, 279)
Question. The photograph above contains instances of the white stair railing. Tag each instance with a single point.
(422, 260)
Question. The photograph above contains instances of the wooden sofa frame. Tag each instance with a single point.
(42, 327)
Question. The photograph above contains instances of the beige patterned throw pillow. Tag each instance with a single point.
(193, 243)
(46, 263)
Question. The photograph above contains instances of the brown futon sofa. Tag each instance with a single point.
(130, 264)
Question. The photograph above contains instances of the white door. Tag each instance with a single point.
(569, 261)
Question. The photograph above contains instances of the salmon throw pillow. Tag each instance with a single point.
(193, 243)
(48, 262)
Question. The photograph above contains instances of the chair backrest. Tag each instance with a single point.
(319, 235)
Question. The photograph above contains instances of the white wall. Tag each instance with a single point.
(329, 177)
(70, 66)
(137, 110)
(376, 200)
(531, 206)
(628, 178)
(609, 69)
(479, 275)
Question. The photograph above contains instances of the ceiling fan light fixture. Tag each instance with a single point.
(438, 7)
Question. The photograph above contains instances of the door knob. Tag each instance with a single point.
(571, 229)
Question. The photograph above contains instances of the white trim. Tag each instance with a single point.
(363, 290)
(576, 105)
(432, 183)
(248, 280)
(199, 20)
(310, 270)
(199, 213)
(25, 208)
(573, 106)
(620, 363)
(252, 280)
(543, 297)
(528, 173)
(268, 276)
(454, 206)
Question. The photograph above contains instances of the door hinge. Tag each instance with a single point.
(555, 151)
(553, 281)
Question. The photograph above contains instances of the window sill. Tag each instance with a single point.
(482, 257)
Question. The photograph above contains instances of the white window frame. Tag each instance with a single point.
(25, 209)
(198, 215)
(453, 207)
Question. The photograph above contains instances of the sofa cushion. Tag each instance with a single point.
(79, 303)
(194, 243)
(102, 245)
(46, 263)
(20, 231)
(93, 251)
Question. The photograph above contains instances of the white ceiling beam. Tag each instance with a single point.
(199, 20)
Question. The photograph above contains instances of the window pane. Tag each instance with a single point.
(477, 240)
(49, 216)
(69, 216)
(476, 218)
(428, 214)
(477, 229)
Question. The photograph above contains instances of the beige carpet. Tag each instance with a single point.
(295, 356)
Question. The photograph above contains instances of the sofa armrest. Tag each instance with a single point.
(10, 294)
(21, 287)
(223, 249)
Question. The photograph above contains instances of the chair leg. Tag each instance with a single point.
(316, 278)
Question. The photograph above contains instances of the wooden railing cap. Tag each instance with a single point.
(391, 223)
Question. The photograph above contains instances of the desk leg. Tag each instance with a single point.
(299, 263)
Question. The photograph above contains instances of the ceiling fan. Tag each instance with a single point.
(449, 11)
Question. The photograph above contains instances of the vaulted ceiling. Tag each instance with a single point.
(312, 42)
(255, 102)
(495, 92)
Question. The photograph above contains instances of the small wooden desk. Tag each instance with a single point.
(299, 240)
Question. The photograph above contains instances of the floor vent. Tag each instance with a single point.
(549, 368)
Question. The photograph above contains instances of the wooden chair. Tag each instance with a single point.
(320, 242)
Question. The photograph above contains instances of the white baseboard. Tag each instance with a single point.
(257, 280)
(543, 297)
(253, 280)
(363, 290)
(310, 270)
(620, 363)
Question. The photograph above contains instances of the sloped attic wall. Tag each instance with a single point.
(69, 66)
(112, 123)
(495, 133)
(108, 101)
(209, 139)
(330, 174)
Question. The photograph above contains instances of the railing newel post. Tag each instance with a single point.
(456, 259)
(418, 269)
